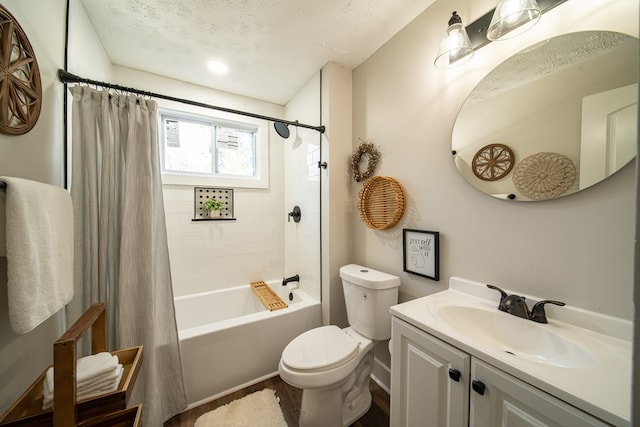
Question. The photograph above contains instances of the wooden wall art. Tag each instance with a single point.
(492, 162)
(20, 85)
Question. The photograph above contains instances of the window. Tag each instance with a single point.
(199, 149)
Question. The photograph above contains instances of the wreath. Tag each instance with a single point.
(365, 149)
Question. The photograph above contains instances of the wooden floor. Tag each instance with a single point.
(290, 398)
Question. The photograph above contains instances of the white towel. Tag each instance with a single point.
(39, 233)
(96, 374)
(91, 371)
(104, 386)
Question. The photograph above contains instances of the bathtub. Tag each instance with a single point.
(229, 341)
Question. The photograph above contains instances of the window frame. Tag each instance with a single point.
(261, 151)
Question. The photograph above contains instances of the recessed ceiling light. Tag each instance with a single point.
(218, 67)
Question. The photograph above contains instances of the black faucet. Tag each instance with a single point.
(516, 305)
(537, 312)
(295, 278)
(512, 304)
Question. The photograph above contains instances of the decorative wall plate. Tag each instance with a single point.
(20, 85)
(382, 202)
(492, 162)
(544, 176)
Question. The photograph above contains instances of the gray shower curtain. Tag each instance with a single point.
(121, 252)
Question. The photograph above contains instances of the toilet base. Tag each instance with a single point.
(342, 404)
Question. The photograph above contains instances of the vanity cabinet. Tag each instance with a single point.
(435, 384)
(429, 379)
(500, 399)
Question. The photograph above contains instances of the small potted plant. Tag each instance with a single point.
(212, 207)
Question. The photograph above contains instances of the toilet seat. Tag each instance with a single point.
(320, 349)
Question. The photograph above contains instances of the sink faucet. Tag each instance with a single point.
(295, 278)
(537, 312)
(516, 305)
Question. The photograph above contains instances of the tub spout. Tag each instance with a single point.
(295, 278)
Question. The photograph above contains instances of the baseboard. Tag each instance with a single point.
(231, 390)
(381, 374)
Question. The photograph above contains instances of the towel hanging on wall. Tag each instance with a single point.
(39, 240)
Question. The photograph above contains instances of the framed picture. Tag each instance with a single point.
(420, 253)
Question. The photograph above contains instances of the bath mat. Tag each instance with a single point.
(261, 408)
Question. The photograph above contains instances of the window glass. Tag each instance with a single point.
(236, 151)
(188, 146)
(196, 149)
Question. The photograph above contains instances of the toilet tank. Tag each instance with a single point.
(368, 295)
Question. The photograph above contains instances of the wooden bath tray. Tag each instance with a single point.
(268, 297)
(27, 410)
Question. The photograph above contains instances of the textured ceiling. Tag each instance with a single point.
(272, 47)
(548, 57)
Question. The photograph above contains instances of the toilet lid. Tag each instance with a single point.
(321, 347)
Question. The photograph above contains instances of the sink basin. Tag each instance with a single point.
(521, 338)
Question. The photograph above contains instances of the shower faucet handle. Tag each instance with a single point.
(296, 214)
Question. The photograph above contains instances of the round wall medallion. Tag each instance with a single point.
(20, 85)
(492, 162)
(544, 176)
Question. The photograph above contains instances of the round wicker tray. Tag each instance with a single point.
(544, 176)
(382, 202)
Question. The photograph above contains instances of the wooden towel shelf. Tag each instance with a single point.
(109, 409)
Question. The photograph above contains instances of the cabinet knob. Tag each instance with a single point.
(478, 387)
(454, 374)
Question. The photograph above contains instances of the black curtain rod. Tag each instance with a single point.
(66, 77)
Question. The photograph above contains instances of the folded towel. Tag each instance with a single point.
(39, 240)
(91, 371)
(96, 374)
(89, 391)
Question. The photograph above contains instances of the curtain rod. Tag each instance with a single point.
(66, 77)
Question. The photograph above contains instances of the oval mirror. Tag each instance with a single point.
(553, 119)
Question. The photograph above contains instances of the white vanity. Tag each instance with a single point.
(457, 360)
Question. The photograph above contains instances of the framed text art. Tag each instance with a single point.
(420, 253)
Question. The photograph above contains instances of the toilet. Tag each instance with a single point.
(332, 365)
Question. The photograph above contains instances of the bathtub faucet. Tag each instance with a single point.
(295, 278)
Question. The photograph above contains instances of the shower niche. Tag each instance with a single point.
(203, 194)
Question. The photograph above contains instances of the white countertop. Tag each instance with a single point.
(601, 387)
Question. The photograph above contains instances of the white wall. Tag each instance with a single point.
(87, 57)
(36, 155)
(337, 205)
(577, 249)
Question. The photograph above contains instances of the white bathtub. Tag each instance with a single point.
(228, 340)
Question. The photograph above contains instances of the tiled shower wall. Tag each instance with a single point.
(302, 188)
(210, 255)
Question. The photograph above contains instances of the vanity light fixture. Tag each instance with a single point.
(455, 47)
(509, 19)
(512, 18)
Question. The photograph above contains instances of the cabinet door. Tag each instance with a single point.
(499, 399)
(423, 390)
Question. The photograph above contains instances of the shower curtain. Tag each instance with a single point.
(121, 252)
